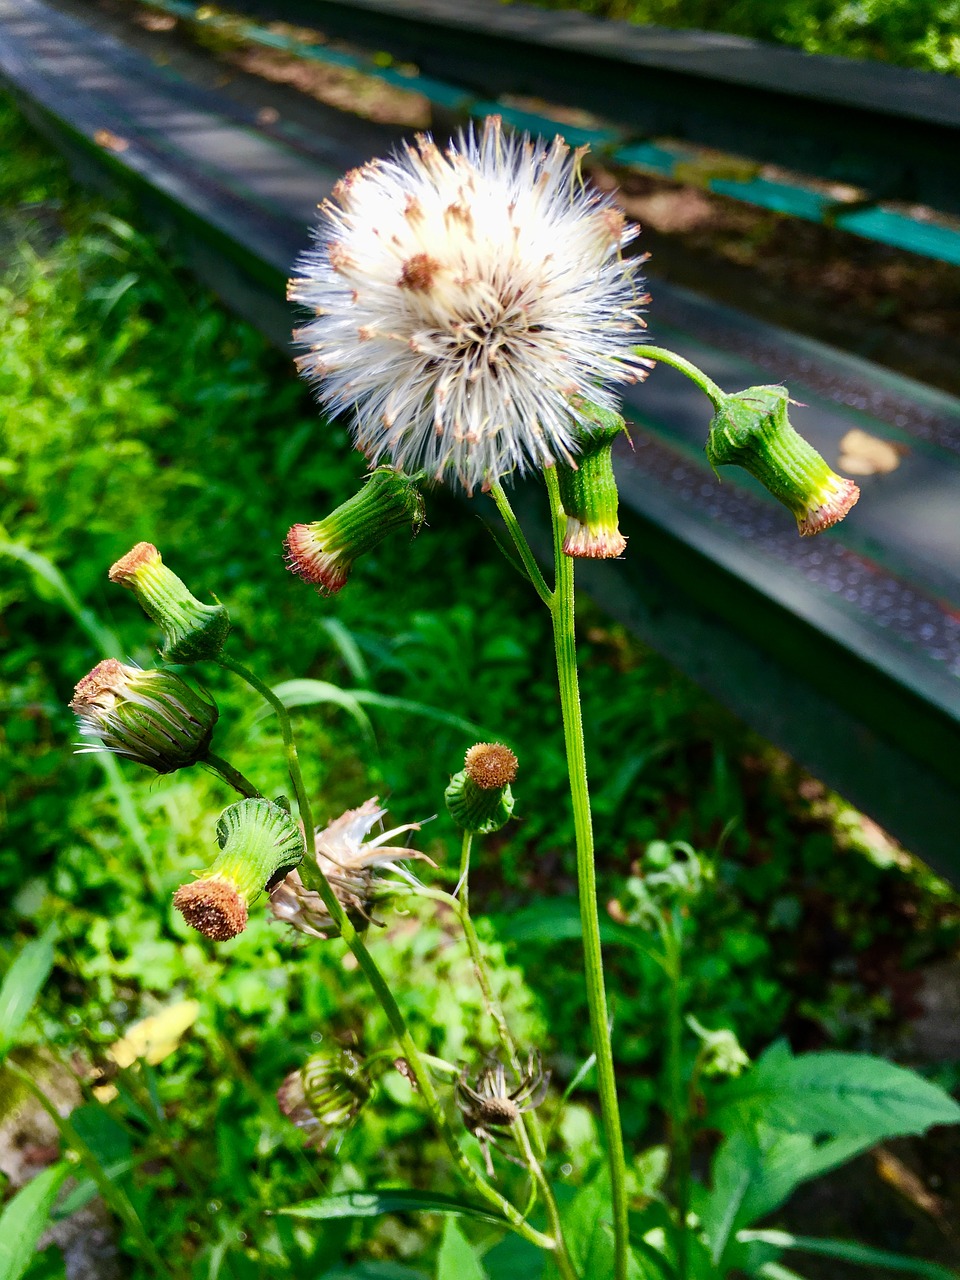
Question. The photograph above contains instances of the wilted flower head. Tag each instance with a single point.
(153, 717)
(350, 862)
(462, 297)
(589, 494)
(492, 1104)
(325, 1094)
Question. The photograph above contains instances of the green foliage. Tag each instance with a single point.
(136, 408)
(24, 1219)
(913, 33)
(21, 986)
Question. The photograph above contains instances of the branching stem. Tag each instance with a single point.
(706, 384)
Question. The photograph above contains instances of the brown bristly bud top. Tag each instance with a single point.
(259, 844)
(192, 630)
(491, 765)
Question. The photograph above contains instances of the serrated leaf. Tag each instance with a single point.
(457, 1259)
(24, 1218)
(372, 1204)
(841, 1094)
(21, 986)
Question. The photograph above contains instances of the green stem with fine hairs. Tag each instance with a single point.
(562, 613)
(706, 384)
(233, 777)
(562, 1259)
(521, 544)
(314, 879)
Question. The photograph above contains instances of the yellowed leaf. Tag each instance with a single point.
(156, 1037)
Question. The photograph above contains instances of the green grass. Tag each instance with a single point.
(924, 34)
(135, 407)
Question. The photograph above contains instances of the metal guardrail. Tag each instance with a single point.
(882, 129)
(844, 650)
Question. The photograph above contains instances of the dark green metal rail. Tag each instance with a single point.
(886, 130)
(844, 650)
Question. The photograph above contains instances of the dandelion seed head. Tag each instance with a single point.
(460, 298)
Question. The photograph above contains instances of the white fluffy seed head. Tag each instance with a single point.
(460, 300)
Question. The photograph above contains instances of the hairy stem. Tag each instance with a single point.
(314, 879)
(561, 1257)
(678, 1095)
(706, 385)
(233, 777)
(562, 613)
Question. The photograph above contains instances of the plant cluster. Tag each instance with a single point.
(492, 1101)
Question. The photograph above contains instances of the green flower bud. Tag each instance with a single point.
(588, 490)
(479, 798)
(259, 843)
(752, 430)
(153, 717)
(192, 631)
(323, 553)
(326, 1094)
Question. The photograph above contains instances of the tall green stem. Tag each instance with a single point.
(314, 878)
(562, 613)
(233, 777)
(562, 1258)
(679, 1095)
(706, 385)
(520, 542)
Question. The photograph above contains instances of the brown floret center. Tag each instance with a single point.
(213, 908)
(491, 765)
(107, 677)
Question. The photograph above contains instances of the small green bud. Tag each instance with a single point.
(259, 843)
(325, 1094)
(479, 798)
(588, 490)
(752, 430)
(153, 717)
(323, 553)
(191, 631)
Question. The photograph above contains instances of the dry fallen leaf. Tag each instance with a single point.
(156, 1037)
(862, 454)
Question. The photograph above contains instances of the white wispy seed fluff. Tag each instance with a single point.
(462, 300)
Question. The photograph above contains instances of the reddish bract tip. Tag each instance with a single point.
(325, 570)
(491, 765)
(213, 908)
(583, 543)
(831, 511)
(127, 566)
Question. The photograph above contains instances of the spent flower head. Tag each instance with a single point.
(352, 864)
(192, 630)
(463, 298)
(153, 717)
(325, 1094)
(479, 798)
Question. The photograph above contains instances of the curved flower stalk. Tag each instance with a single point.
(462, 299)
(351, 864)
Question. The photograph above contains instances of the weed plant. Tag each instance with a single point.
(134, 403)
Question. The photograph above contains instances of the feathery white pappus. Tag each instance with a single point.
(461, 298)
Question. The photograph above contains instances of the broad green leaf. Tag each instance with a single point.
(371, 1204)
(21, 986)
(588, 1231)
(848, 1095)
(457, 1259)
(24, 1219)
(754, 1172)
(849, 1251)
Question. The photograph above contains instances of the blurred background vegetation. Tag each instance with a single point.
(135, 407)
(912, 33)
